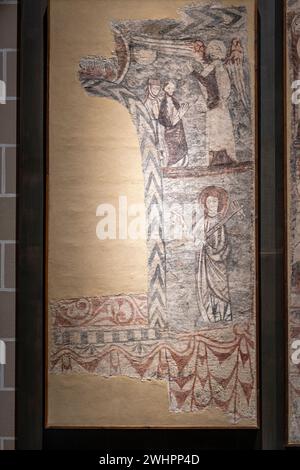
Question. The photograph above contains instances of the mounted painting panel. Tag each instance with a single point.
(293, 212)
(152, 249)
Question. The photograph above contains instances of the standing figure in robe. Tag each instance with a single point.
(170, 117)
(215, 86)
(152, 103)
(211, 265)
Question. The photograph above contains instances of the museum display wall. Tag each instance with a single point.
(8, 141)
(158, 171)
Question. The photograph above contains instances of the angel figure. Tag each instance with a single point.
(215, 83)
(234, 65)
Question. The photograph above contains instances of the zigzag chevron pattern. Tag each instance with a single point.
(153, 194)
(209, 17)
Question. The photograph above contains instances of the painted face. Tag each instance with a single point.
(216, 50)
(170, 88)
(155, 89)
(199, 46)
(212, 204)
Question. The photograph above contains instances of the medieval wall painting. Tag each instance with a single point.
(175, 345)
(293, 211)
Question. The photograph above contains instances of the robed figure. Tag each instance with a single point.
(215, 86)
(152, 103)
(170, 117)
(211, 266)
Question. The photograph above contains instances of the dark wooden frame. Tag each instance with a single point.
(46, 241)
(31, 433)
